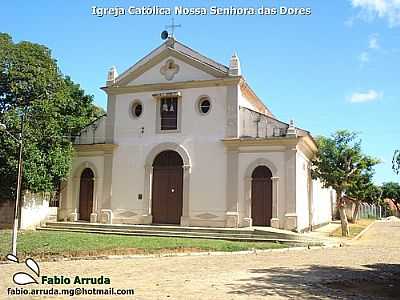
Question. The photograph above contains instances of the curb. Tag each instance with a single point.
(358, 236)
(188, 254)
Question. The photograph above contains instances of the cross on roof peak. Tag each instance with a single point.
(172, 26)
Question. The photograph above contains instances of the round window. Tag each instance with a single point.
(204, 105)
(137, 109)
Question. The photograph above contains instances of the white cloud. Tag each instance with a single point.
(373, 45)
(384, 9)
(368, 96)
(373, 42)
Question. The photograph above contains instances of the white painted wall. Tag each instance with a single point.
(186, 73)
(322, 203)
(94, 133)
(250, 121)
(200, 135)
(302, 191)
(35, 210)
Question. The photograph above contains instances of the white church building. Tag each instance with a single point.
(186, 141)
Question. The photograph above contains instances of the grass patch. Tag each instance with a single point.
(47, 244)
(354, 229)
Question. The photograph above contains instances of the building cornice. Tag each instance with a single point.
(83, 148)
(154, 87)
(308, 146)
(234, 143)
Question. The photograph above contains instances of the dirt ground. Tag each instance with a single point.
(367, 269)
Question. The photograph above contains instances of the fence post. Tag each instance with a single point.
(362, 210)
(368, 210)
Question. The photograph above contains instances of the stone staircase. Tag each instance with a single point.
(251, 234)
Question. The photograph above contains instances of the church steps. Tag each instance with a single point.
(177, 231)
(168, 228)
(167, 233)
(149, 227)
(138, 232)
(185, 235)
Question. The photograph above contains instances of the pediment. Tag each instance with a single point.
(171, 63)
(171, 69)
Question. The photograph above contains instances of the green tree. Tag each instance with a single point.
(341, 164)
(391, 190)
(364, 190)
(396, 162)
(54, 107)
(373, 194)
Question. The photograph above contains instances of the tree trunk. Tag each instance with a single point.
(343, 216)
(397, 205)
(356, 210)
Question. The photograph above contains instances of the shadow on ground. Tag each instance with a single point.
(377, 281)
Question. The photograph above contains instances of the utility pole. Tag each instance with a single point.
(19, 182)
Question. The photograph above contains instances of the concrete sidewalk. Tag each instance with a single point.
(323, 233)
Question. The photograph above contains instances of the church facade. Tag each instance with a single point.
(186, 141)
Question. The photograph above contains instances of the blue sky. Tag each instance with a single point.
(335, 69)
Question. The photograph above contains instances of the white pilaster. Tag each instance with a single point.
(275, 202)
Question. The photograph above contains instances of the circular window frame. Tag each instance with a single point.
(198, 103)
(132, 108)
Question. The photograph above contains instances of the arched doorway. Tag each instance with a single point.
(261, 196)
(167, 188)
(86, 194)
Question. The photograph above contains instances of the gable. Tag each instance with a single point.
(171, 69)
(194, 65)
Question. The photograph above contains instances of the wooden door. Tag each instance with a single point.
(261, 196)
(167, 197)
(86, 194)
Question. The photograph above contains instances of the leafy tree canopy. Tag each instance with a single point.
(391, 190)
(55, 108)
(341, 164)
(363, 189)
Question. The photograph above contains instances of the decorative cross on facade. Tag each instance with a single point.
(172, 27)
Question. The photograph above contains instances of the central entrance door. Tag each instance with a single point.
(86, 194)
(261, 196)
(167, 188)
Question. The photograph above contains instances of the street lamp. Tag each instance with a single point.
(3, 127)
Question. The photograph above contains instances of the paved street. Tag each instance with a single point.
(363, 270)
